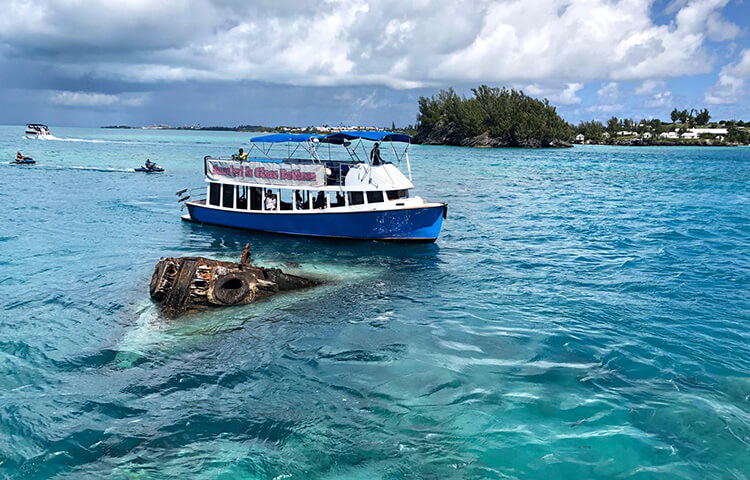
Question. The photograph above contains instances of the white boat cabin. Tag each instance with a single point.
(293, 185)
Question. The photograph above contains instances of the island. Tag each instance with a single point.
(491, 117)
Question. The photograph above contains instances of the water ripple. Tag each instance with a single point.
(583, 315)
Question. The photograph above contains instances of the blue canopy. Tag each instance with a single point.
(374, 136)
(285, 137)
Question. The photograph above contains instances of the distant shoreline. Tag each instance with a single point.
(241, 128)
(322, 130)
(638, 142)
(631, 142)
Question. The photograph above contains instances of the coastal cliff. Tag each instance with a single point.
(492, 117)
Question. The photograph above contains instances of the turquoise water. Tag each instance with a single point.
(583, 315)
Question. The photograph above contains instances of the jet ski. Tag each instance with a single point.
(153, 168)
(25, 161)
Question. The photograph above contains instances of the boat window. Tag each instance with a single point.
(339, 201)
(270, 200)
(302, 199)
(356, 198)
(374, 197)
(241, 198)
(286, 197)
(227, 199)
(396, 194)
(214, 193)
(319, 199)
(256, 198)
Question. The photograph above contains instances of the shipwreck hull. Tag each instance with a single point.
(183, 284)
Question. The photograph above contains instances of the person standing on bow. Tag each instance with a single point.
(375, 158)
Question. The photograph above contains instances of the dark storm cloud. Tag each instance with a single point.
(137, 54)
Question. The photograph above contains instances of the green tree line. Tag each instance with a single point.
(512, 118)
(506, 115)
(692, 117)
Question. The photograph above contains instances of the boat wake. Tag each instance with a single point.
(80, 140)
(81, 167)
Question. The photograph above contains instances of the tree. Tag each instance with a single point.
(393, 126)
(613, 126)
(737, 135)
(691, 118)
(703, 117)
(655, 125)
(592, 130)
(684, 115)
(506, 115)
(675, 115)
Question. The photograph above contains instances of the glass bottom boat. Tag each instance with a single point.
(334, 199)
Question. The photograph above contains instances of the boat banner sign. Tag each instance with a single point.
(291, 174)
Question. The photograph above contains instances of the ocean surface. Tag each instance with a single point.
(585, 314)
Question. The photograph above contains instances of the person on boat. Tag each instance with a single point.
(300, 201)
(340, 200)
(320, 200)
(270, 201)
(375, 158)
(19, 157)
(242, 155)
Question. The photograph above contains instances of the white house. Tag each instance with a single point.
(647, 135)
(711, 131)
(670, 135)
(580, 138)
(689, 135)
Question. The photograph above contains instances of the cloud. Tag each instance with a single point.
(371, 101)
(564, 95)
(363, 42)
(731, 85)
(659, 100)
(608, 97)
(649, 86)
(605, 108)
(90, 99)
(609, 92)
(657, 94)
(702, 18)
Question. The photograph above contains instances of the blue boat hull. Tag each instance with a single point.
(421, 224)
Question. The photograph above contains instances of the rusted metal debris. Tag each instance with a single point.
(185, 284)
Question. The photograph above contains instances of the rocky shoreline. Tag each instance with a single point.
(437, 137)
(639, 142)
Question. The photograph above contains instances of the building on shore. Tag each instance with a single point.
(669, 135)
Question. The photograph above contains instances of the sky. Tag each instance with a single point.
(363, 62)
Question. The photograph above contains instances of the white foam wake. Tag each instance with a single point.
(80, 167)
(82, 140)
